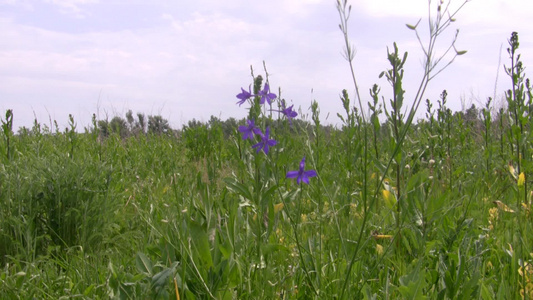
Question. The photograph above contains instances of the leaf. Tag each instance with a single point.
(201, 242)
(272, 248)
(265, 195)
(486, 294)
(144, 264)
(190, 295)
(412, 285)
(233, 185)
(161, 279)
(88, 290)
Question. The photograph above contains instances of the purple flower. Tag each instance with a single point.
(266, 95)
(265, 142)
(244, 95)
(288, 112)
(249, 131)
(301, 175)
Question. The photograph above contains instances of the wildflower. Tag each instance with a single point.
(379, 249)
(521, 179)
(493, 217)
(287, 111)
(301, 175)
(528, 289)
(266, 95)
(513, 171)
(304, 218)
(265, 142)
(389, 198)
(502, 206)
(378, 236)
(244, 95)
(249, 131)
(526, 208)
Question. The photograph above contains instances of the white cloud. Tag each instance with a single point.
(72, 7)
(24, 4)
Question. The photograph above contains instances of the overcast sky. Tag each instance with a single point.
(188, 59)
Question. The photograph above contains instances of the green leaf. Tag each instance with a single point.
(486, 294)
(201, 242)
(189, 295)
(161, 279)
(412, 285)
(144, 264)
(266, 195)
(238, 188)
(88, 290)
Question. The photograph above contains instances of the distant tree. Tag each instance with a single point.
(136, 126)
(229, 126)
(158, 125)
(103, 128)
(119, 126)
(130, 119)
(192, 124)
(471, 114)
(141, 122)
(213, 121)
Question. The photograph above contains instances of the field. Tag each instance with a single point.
(277, 206)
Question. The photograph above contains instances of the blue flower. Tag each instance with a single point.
(244, 95)
(266, 95)
(265, 142)
(301, 175)
(249, 131)
(288, 112)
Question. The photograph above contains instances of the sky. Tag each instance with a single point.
(187, 59)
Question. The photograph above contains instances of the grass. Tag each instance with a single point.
(398, 210)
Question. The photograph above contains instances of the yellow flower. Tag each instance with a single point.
(521, 179)
(529, 289)
(493, 217)
(513, 171)
(503, 207)
(526, 270)
(379, 249)
(278, 207)
(389, 198)
(382, 236)
(526, 208)
(304, 218)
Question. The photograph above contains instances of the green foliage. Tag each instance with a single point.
(7, 130)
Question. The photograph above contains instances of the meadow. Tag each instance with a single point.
(278, 205)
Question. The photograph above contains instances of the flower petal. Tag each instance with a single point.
(292, 174)
(310, 173)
